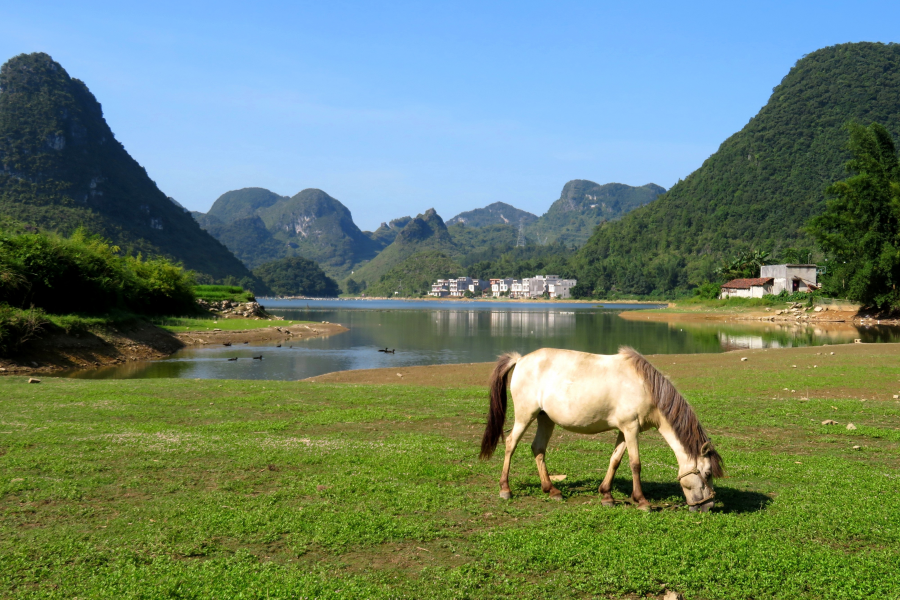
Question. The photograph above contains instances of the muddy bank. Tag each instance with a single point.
(277, 333)
(87, 350)
(852, 317)
(142, 341)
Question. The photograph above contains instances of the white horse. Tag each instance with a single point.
(591, 393)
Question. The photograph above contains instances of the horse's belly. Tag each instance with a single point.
(597, 427)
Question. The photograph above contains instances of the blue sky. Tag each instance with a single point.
(396, 107)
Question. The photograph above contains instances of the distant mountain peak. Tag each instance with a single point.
(61, 167)
(498, 213)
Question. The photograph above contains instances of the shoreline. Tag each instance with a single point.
(143, 342)
(489, 300)
(677, 366)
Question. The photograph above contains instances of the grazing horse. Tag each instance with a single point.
(591, 393)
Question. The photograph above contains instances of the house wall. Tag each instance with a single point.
(784, 276)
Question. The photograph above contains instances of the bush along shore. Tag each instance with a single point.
(78, 302)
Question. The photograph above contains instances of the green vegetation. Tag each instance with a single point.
(424, 233)
(85, 274)
(216, 489)
(241, 204)
(414, 276)
(319, 228)
(583, 205)
(217, 293)
(498, 213)
(387, 232)
(761, 187)
(297, 277)
(80, 283)
(247, 238)
(860, 229)
(63, 169)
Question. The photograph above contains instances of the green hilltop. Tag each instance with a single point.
(763, 184)
(62, 168)
(426, 232)
(498, 213)
(583, 205)
(260, 226)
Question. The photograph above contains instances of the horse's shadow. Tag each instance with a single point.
(728, 499)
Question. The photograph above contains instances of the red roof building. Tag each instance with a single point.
(755, 287)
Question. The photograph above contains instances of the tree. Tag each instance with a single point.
(745, 264)
(860, 228)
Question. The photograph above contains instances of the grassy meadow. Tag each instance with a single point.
(244, 489)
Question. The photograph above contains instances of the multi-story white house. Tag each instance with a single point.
(560, 288)
(528, 287)
(440, 288)
(500, 286)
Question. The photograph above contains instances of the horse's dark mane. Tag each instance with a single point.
(675, 409)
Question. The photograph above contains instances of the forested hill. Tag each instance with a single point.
(583, 205)
(762, 185)
(426, 232)
(260, 226)
(498, 213)
(61, 167)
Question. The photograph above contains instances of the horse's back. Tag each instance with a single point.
(583, 392)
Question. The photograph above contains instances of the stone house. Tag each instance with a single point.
(793, 278)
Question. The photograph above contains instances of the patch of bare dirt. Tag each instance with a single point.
(277, 333)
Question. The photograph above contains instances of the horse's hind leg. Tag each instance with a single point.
(512, 441)
(539, 448)
(614, 460)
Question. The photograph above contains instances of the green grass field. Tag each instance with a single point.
(241, 489)
(185, 324)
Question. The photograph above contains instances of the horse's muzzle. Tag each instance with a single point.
(705, 507)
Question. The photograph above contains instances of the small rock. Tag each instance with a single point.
(896, 396)
(832, 354)
(851, 426)
(818, 309)
(829, 422)
(399, 374)
(744, 359)
(857, 341)
(33, 380)
(673, 595)
(857, 447)
(793, 366)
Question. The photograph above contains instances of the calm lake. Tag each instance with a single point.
(435, 332)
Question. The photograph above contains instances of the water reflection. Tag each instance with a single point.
(425, 333)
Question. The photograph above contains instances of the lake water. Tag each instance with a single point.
(435, 332)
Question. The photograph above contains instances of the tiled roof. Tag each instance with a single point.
(745, 284)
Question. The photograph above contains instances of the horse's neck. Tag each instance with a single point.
(668, 433)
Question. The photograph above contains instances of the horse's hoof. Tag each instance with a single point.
(558, 497)
(608, 503)
(644, 507)
(506, 495)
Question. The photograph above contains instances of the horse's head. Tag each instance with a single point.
(697, 483)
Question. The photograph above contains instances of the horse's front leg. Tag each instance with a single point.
(614, 460)
(634, 460)
(539, 448)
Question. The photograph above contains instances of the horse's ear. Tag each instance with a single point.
(705, 449)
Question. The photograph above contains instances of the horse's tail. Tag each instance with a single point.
(493, 431)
